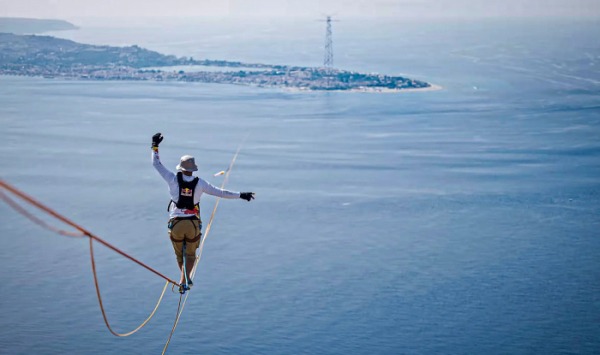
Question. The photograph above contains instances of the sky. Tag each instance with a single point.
(68, 9)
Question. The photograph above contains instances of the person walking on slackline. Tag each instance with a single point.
(185, 226)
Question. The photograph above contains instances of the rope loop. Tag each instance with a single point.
(81, 233)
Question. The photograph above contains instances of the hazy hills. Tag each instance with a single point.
(27, 25)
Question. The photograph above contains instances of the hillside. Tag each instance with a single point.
(51, 51)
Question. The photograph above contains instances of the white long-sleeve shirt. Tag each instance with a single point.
(201, 187)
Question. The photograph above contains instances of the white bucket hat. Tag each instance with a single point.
(187, 163)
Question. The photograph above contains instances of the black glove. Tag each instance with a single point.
(156, 139)
(247, 196)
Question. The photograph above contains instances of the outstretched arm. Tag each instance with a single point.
(215, 191)
(210, 189)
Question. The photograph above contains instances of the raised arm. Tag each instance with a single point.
(166, 174)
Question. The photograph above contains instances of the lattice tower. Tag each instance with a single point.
(328, 61)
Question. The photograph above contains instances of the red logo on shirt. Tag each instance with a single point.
(186, 192)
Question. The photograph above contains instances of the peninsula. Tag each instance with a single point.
(51, 57)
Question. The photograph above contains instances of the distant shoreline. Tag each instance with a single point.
(52, 57)
(431, 87)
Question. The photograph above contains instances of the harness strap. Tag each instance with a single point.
(198, 229)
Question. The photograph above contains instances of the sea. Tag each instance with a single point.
(456, 221)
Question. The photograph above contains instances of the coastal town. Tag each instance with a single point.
(51, 57)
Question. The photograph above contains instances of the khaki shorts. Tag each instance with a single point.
(189, 230)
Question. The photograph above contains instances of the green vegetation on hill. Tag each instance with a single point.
(52, 51)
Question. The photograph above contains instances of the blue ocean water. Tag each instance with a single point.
(458, 221)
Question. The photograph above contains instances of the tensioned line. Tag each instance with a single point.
(181, 304)
(81, 232)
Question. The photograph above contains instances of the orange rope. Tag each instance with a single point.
(63, 219)
(83, 233)
(36, 220)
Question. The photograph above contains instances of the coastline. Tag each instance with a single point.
(52, 57)
(432, 87)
